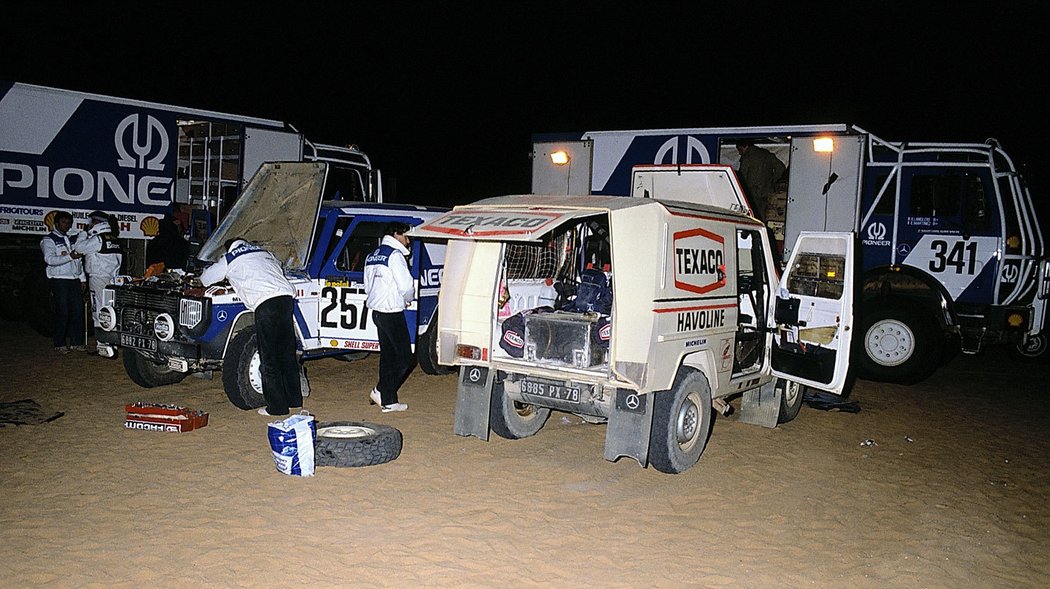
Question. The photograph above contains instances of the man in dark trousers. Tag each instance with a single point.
(259, 280)
(390, 290)
(65, 274)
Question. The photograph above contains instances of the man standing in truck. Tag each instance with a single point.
(65, 274)
(759, 172)
(390, 290)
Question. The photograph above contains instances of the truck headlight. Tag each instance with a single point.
(107, 315)
(190, 312)
(164, 327)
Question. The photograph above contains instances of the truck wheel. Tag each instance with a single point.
(241, 376)
(513, 420)
(426, 350)
(146, 373)
(1032, 351)
(790, 399)
(355, 443)
(898, 344)
(682, 419)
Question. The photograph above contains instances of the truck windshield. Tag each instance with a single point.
(277, 211)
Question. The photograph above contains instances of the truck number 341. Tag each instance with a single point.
(962, 257)
(350, 314)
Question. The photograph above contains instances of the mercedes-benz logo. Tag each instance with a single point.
(632, 401)
(221, 316)
(474, 375)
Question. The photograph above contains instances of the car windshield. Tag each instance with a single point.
(277, 211)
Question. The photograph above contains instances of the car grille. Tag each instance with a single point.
(137, 309)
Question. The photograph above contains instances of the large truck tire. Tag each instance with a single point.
(146, 373)
(682, 418)
(427, 350)
(34, 302)
(241, 374)
(355, 443)
(513, 420)
(790, 399)
(1033, 351)
(898, 343)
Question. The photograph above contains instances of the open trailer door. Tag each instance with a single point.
(813, 312)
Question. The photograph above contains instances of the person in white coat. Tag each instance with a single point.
(389, 291)
(103, 257)
(65, 275)
(259, 280)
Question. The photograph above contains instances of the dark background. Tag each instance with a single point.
(444, 96)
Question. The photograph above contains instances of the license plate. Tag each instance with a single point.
(138, 342)
(550, 390)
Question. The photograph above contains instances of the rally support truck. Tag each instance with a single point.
(171, 325)
(951, 252)
(648, 314)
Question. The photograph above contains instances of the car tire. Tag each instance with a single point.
(682, 418)
(790, 399)
(427, 350)
(241, 377)
(898, 343)
(514, 420)
(355, 443)
(147, 373)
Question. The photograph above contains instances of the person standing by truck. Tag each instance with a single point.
(102, 259)
(65, 275)
(390, 290)
(259, 280)
(759, 172)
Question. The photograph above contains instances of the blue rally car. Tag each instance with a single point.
(170, 326)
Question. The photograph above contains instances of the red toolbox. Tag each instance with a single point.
(156, 417)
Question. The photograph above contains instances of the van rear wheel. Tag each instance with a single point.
(681, 423)
(514, 420)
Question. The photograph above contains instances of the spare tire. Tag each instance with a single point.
(355, 443)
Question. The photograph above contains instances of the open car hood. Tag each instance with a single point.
(277, 210)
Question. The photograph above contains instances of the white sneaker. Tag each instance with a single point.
(374, 398)
(395, 407)
(263, 411)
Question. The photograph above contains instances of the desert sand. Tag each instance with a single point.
(952, 493)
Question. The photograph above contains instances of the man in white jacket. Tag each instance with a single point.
(102, 259)
(390, 290)
(65, 274)
(259, 280)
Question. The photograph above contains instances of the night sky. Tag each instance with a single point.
(444, 96)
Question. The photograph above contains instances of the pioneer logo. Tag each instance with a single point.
(876, 235)
(141, 142)
(699, 261)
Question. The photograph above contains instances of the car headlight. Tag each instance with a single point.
(164, 327)
(190, 312)
(107, 316)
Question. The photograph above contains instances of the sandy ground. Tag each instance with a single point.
(954, 494)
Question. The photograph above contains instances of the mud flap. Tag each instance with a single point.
(761, 406)
(473, 397)
(629, 427)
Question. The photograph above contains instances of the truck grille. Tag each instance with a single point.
(137, 309)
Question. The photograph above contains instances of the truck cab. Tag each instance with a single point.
(644, 313)
(171, 325)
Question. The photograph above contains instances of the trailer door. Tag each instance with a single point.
(823, 186)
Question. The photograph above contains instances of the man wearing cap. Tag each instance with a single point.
(65, 274)
(102, 259)
(259, 280)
